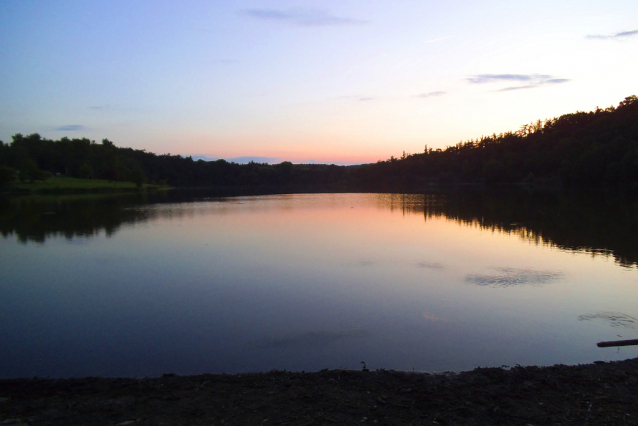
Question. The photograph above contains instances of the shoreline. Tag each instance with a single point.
(598, 394)
(67, 185)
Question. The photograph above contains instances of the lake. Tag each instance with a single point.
(193, 282)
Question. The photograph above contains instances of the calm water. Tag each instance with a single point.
(188, 283)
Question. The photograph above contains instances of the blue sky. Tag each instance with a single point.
(330, 81)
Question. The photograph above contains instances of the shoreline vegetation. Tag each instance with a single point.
(602, 393)
(583, 149)
(70, 185)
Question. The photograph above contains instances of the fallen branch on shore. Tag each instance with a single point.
(618, 343)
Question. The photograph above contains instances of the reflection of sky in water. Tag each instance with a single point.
(312, 338)
(301, 282)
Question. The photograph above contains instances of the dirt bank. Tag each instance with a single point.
(594, 394)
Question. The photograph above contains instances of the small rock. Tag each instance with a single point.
(126, 423)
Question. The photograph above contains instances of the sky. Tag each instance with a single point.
(326, 81)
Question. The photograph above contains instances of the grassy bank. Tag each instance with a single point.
(62, 185)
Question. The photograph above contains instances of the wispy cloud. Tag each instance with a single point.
(429, 265)
(617, 35)
(491, 78)
(362, 98)
(534, 85)
(430, 94)
(71, 127)
(301, 17)
(437, 39)
(532, 80)
(100, 107)
(433, 318)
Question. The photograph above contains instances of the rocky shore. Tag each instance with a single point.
(593, 394)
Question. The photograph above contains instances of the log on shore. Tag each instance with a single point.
(618, 343)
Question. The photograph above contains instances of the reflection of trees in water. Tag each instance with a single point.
(508, 277)
(596, 222)
(36, 218)
(615, 319)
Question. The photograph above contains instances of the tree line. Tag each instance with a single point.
(33, 157)
(598, 148)
(579, 149)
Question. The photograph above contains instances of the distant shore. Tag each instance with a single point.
(69, 185)
(596, 394)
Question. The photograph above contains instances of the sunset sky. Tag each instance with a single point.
(347, 81)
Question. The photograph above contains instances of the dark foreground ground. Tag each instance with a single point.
(595, 394)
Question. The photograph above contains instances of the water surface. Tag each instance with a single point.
(187, 283)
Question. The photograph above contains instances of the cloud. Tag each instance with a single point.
(358, 98)
(617, 35)
(301, 17)
(532, 86)
(71, 127)
(491, 78)
(430, 94)
(429, 265)
(509, 277)
(429, 317)
(361, 263)
(532, 80)
(437, 39)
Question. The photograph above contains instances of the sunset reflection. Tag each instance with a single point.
(443, 281)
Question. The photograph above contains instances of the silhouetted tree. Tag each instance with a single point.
(7, 175)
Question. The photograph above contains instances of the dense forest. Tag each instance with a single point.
(583, 148)
(597, 148)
